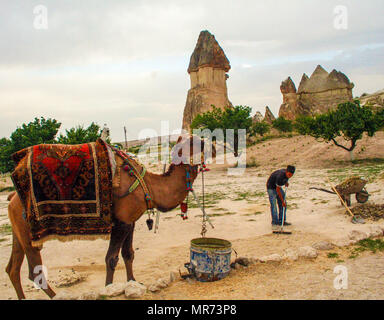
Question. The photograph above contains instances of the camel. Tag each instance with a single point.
(167, 191)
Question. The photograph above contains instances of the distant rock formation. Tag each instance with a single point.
(258, 117)
(268, 117)
(316, 94)
(376, 100)
(208, 69)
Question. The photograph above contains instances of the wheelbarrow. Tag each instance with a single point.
(353, 185)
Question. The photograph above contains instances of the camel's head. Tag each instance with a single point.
(193, 150)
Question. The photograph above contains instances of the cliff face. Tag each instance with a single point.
(316, 94)
(207, 70)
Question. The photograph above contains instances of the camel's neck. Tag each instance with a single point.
(170, 189)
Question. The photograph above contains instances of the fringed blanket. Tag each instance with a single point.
(66, 190)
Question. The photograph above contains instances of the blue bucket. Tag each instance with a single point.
(210, 259)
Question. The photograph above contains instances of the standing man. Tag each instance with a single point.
(276, 180)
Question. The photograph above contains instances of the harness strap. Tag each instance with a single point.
(139, 179)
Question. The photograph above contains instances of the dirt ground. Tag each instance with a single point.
(239, 210)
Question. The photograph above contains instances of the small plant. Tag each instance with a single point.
(6, 229)
(372, 245)
(332, 255)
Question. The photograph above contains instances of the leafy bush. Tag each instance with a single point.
(283, 125)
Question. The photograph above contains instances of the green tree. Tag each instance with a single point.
(283, 125)
(349, 120)
(235, 118)
(39, 131)
(260, 128)
(79, 134)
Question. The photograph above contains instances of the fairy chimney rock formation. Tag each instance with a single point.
(319, 93)
(258, 117)
(289, 108)
(268, 117)
(207, 69)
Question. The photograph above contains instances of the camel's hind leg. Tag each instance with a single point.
(22, 243)
(14, 266)
(118, 235)
(128, 253)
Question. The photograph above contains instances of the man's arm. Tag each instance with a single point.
(278, 190)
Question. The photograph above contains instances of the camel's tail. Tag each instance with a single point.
(320, 189)
(11, 195)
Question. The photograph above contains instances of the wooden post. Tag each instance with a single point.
(125, 135)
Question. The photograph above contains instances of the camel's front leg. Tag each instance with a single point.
(127, 251)
(118, 235)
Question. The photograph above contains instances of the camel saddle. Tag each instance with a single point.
(66, 190)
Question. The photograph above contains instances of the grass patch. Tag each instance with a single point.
(248, 195)
(292, 206)
(332, 255)
(228, 213)
(3, 239)
(6, 229)
(373, 245)
(253, 214)
(8, 189)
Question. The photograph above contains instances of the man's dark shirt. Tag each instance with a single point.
(278, 177)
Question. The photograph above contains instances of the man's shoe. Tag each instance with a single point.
(287, 224)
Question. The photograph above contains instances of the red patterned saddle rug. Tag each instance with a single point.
(66, 190)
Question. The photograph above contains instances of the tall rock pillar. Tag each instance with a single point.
(207, 69)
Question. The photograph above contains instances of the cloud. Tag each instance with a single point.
(124, 62)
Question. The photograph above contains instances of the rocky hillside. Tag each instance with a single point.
(306, 152)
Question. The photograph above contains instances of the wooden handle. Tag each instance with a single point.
(342, 201)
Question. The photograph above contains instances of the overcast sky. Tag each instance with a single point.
(124, 63)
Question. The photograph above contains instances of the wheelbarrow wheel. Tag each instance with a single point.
(362, 196)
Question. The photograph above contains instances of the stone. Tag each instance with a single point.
(307, 252)
(317, 94)
(291, 254)
(134, 290)
(174, 276)
(92, 295)
(237, 266)
(158, 285)
(208, 67)
(69, 278)
(271, 258)
(342, 242)
(375, 231)
(244, 261)
(323, 245)
(253, 260)
(113, 289)
(357, 235)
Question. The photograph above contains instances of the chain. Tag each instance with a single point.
(204, 224)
